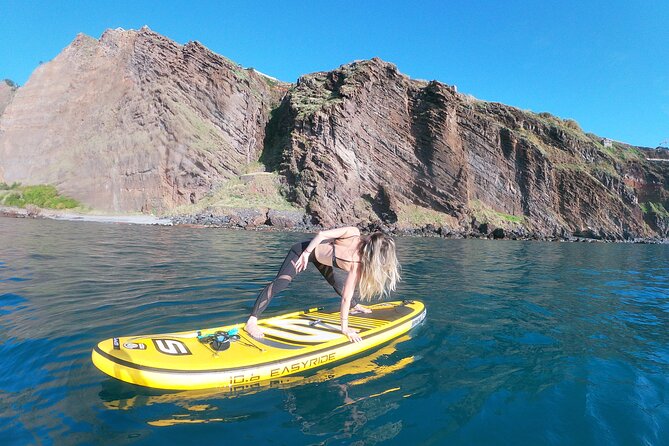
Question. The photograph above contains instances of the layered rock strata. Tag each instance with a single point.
(364, 143)
(135, 122)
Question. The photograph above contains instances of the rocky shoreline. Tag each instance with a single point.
(297, 221)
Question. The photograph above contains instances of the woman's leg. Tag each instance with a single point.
(336, 278)
(283, 278)
(286, 274)
(328, 274)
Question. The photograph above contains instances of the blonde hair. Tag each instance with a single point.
(380, 270)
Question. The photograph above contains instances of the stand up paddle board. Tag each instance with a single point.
(229, 357)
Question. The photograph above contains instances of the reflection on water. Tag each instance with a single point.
(568, 341)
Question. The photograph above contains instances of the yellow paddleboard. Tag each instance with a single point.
(228, 357)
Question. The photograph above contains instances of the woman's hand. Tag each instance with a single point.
(302, 262)
(352, 334)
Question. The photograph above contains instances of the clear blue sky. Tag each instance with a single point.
(602, 63)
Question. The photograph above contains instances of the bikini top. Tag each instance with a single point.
(334, 255)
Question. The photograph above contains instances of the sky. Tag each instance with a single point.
(603, 63)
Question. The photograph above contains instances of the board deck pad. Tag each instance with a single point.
(293, 343)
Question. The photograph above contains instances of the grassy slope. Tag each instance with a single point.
(43, 196)
(255, 189)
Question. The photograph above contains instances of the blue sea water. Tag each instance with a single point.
(525, 343)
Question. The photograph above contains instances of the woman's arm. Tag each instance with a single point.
(346, 296)
(348, 231)
(303, 260)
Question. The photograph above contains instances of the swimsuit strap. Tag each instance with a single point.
(349, 261)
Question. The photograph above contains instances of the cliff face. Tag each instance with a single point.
(365, 143)
(134, 121)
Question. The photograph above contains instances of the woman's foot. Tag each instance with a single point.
(359, 309)
(252, 328)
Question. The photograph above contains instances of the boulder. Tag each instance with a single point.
(285, 219)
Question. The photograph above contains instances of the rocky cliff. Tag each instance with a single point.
(365, 143)
(135, 122)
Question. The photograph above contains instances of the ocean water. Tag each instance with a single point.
(525, 343)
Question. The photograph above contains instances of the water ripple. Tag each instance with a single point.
(568, 341)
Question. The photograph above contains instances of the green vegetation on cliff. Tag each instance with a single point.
(255, 189)
(623, 152)
(411, 215)
(485, 214)
(43, 196)
(658, 209)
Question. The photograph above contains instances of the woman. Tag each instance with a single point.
(369, 261)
